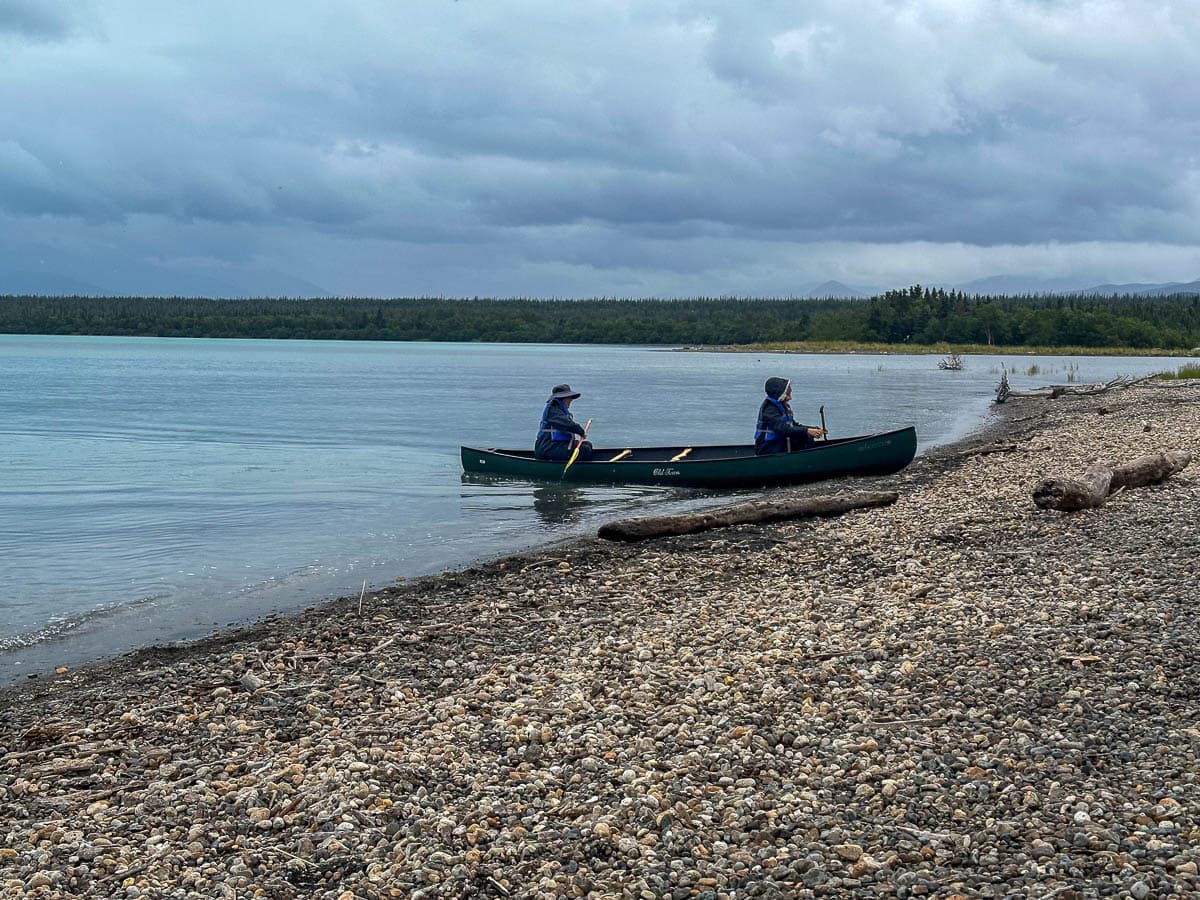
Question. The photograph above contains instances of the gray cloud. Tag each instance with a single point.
(41, 20)
(601, 147)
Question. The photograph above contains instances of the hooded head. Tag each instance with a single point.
(563, 392)
(776, 387)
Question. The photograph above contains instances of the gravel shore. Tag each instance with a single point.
(957, 695)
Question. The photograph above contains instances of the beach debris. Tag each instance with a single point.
(1003, 391)
(1100, 481)
(1071, 391)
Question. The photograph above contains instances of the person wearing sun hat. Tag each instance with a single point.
(777, 431)
(559, 431)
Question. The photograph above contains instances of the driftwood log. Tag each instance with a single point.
(1055, 391)
(646, 527)
(1101, 481)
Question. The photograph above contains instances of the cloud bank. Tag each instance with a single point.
(497, 148)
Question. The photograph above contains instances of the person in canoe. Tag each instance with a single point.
(777, 430)
(559, 431)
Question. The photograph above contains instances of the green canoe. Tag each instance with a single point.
(732, 466)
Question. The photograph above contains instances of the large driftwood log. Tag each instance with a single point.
(1054, 391)
(1101, 481)
(644, 527)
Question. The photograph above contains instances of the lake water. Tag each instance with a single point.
(157, 489)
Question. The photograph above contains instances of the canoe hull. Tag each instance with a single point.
(712, 466)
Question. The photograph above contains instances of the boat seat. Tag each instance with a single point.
(678, 456)
(621, 455)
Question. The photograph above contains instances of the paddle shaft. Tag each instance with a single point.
(826, 434)
(575, 452)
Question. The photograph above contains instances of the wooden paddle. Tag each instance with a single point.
(575, 452)
(825, 436)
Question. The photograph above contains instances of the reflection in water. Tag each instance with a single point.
(574, 506)
(554, 504)
(558, 504)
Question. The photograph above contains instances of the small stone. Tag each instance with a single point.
(865, 866)
(851, 852)
(250, 681)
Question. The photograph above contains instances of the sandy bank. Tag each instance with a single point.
(957, 694)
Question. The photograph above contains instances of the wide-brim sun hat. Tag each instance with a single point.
(563, 392)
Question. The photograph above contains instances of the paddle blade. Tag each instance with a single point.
(575, 452)
(574, 456)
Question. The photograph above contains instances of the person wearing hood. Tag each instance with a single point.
(559, 431)
(777, 430)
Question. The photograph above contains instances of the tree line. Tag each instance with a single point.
(915, 315)
(920, 315)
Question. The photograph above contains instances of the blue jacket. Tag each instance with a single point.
(556, 430)
(775, 426)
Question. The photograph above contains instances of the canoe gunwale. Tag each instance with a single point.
(596, 460)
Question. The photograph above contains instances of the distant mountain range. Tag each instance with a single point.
(835, 290)
(159, 281)
(1007, 284)
(1148, 290)
(45, 283)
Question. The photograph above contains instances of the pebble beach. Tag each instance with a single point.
(958, 695)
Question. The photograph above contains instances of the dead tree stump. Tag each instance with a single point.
(1003, 391)
(1100, 481)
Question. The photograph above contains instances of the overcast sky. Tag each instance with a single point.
(578, 148)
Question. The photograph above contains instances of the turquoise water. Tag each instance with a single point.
(156, 489)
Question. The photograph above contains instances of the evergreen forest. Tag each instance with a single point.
(915, 316)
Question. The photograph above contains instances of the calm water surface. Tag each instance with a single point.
(154, 490)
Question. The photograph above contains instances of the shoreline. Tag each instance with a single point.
(993, 428)
(850, 348)
(42, 659)
(954, 693)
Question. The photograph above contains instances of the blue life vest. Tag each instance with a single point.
(761, 433)
(554, 435)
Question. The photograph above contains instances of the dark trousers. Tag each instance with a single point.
(560, 451)
(798, 441)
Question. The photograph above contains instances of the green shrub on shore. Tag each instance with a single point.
(1187, 370)
(943, 349)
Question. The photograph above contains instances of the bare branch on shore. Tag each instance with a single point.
(1055, 391)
